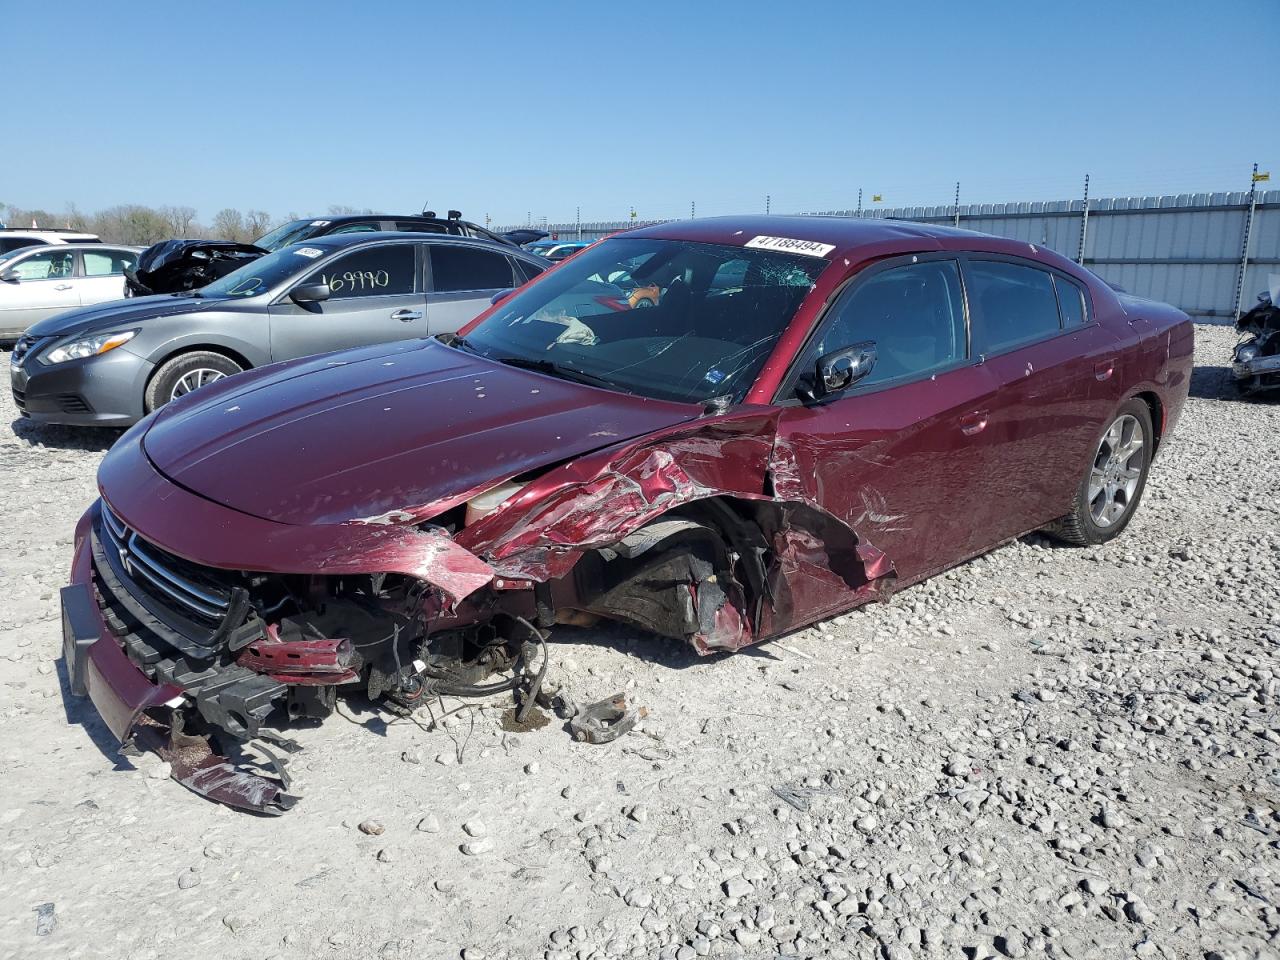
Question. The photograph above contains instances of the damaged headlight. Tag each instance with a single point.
(88, 347)
(1246, 352)
(485, 503)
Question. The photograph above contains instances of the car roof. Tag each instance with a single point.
(67, 247)
(336, 241)
(846, 234)
(852, 238)
(57, 234)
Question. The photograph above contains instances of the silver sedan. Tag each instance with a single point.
(111, 365)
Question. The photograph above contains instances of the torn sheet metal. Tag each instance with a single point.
(194, 764)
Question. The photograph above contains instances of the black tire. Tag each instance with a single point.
(1083, 527)
(169, 378)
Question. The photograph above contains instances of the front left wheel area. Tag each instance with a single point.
(179, 375)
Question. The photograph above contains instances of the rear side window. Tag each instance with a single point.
(526, 269)
(420, 226)
(372, 272)
(17, 243)
(107, 263)
(1016, 304)
(1070, 302)
(355, 228)
(466, 268)
(914, 314)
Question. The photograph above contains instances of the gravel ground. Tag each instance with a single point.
(1046, 752)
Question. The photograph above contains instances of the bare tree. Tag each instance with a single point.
(257, 222)
(228, 224)
(179, 219)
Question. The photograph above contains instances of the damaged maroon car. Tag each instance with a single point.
(718, 431)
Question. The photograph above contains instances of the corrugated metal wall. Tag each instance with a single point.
(1184, 249)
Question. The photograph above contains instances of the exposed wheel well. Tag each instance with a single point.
(1157, 415)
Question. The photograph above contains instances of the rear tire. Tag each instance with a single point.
(1114, 479)
(186, 372)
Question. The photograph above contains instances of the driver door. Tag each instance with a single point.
(375, 296)
(902, 456)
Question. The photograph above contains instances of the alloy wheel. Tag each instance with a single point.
(194, 380)
(1117, 470)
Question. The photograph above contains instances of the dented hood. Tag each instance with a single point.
(371, 432)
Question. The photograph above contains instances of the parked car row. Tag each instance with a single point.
(111, 364)
(174, 266)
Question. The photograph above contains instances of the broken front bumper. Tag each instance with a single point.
(96, 663)
(140, 712)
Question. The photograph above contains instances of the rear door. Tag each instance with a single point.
(901, 455)
(44, 284)
(463, 280)
(102, 274)
(375, 296)
(1056, 367)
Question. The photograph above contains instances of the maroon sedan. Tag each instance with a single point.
(798, 416)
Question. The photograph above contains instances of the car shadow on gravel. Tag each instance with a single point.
(652, 649)
(93, 439)
(1217, 383)
(80, 712)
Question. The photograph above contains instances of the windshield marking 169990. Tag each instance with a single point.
(668, 319)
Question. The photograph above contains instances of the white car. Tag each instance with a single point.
(39, 281)
(13, 239)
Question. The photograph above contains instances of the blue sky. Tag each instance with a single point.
(509, 109)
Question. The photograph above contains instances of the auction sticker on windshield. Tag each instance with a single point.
(309, 252)
(809, 248)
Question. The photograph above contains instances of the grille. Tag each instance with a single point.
(175, 583)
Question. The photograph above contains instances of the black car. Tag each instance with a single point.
(173, 266)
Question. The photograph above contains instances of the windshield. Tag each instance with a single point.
(291, 232)
(260, 275)
(669, 319)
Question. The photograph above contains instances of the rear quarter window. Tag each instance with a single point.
(1016, 304)
(526, 270)
(1071, 301)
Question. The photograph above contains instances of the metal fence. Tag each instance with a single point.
(1184, 249)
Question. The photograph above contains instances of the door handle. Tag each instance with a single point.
(1103, 369)
(972, 424)
(404, 316)
(63, 286)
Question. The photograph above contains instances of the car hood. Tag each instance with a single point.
(386, 434)
(116, 313)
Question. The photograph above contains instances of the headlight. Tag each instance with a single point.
(88, 347)
(1246, 352)
(485, 503)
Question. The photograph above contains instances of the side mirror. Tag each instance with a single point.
(311, 293)
(501, 295)
(839, 370)
(10, 275)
